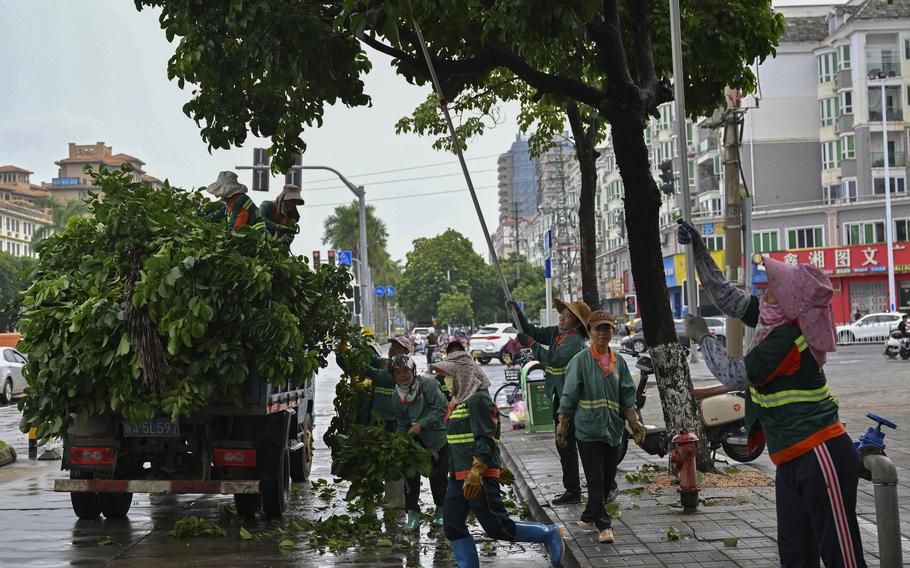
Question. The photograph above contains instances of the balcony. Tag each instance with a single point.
(893, 114)
(707, 144)
(889, 68)
(896, 159)
(65, 181)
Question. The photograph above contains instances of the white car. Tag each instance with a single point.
(11, 380)
(872, 327)
(718, 326)
(487, 342)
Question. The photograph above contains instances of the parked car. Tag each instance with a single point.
(12, 382)
(718, 326)
(487, 343)
(637, 341)
(871, 327)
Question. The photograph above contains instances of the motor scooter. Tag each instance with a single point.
(897, 344)
(723, 417)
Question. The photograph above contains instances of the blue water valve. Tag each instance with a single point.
(874, 439)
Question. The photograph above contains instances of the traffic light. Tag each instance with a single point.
(331, 257)
(295, 176)
(666, 177)
(261, 176)
(317, 258)
(631, 305)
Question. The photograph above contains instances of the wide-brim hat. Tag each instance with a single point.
(226, 186)
(402, 340)
(291, 194)
(579, 309)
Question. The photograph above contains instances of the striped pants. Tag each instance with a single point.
(816, 508)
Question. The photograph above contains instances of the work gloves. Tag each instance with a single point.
(525, 340)
(474, 479)
(506, 477)
(695, 327)
(638, 431)
(686, 234)
(562, 430)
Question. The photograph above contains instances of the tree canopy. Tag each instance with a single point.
(342, 231)
(15, 277)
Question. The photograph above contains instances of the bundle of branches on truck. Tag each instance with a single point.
(174, 355)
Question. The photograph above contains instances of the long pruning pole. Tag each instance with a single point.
(443, 104)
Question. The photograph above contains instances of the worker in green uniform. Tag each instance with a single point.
(554, 347)
(281, 216)
(237, 207)
(598, 398)
(384, 383)
(472, 428)
(420, 409)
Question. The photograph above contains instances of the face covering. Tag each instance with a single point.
(771, 315)
(407, 393)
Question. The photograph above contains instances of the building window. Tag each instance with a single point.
(827, 63)
(843, 57)
(830, 155)
(805, 237)
(714, 242)
(847, 147)
(846, 102)
(898, 185)
(907, 49)
(864, 233)
(902, 230)
(828, 110)
(765, 241)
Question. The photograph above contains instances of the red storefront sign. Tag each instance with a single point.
(849, 260)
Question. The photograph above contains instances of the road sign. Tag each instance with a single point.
(521, 305)
(344, 258)
(380, 291)
(389, 291)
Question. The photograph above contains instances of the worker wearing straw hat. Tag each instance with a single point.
(554, 347)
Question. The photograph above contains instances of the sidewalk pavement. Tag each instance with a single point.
(746, 513)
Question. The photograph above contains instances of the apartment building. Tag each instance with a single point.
(21, 213)
(73, 183)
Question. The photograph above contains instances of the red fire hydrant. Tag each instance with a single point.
(683, 457)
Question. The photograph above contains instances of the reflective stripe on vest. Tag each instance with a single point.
(554, 370)
(259, 226)
(794, 395)
(599, 403)
(384, 390)
(459, 413)
(467, 438)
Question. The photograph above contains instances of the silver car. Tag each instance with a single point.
(11, 378)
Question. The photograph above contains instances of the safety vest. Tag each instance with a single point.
(793, 410)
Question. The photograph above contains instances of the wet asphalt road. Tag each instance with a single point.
(38, 528)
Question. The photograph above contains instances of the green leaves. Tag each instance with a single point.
(194, 526)
(222, 305)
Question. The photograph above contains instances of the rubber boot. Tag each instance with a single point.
(465, 552)
(437, 518)
(550, 535)
(413, 524)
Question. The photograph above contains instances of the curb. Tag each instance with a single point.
(541, 512)
(7, 456)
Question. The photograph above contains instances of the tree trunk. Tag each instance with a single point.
(642, 205)
(587, 231)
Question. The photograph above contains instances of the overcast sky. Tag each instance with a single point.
(96, 71)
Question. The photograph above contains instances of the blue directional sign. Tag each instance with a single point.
(380, 291)
(389, 291)
(521, 305)
(345, 258)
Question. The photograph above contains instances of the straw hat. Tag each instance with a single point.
(578, 308)
(226, 186)
(291, 194)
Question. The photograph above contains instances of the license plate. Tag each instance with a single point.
(151, 428)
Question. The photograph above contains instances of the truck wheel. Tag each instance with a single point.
(85, 505)
(115, 505)
(247, 504)
(302, 459)
(275, 492)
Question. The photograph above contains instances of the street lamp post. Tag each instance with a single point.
(366, 284)
(889, 228)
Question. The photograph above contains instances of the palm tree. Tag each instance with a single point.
(342, 232)
(60, 213)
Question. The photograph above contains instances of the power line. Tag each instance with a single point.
(373, 183)
(412, 196)
(367, 174)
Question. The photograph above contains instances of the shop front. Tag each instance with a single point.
(676, 276)
(614, 298)
(859, 276)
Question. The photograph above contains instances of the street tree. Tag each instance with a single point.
(270, 67)
(15, 276)
(455, 307)
(341, 230)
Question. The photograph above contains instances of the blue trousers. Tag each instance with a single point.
(487, 507)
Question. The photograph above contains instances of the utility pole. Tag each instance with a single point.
(733, 245)
(517, 248)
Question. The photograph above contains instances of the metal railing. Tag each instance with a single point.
(886, 67)
(896, 158)
(893, 114)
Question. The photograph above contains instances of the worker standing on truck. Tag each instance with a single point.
(554, 347)
(281, 216)
(237, 207)
(420, 409)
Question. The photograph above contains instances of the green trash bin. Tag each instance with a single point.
(538, 403)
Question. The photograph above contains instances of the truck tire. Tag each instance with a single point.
(115, 505)
(276, 492)
(301, 460)
(85, 505)
(247, 505)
